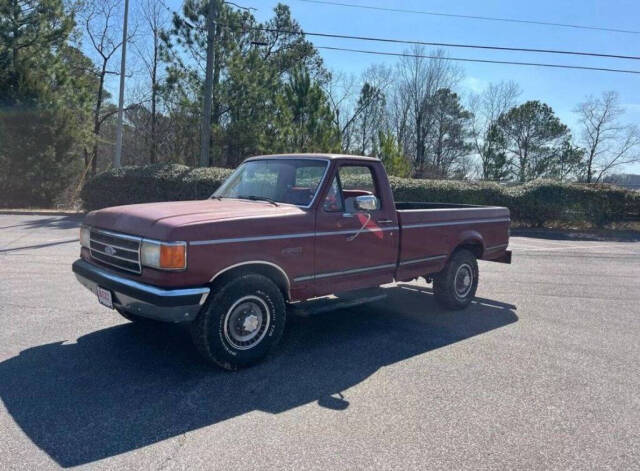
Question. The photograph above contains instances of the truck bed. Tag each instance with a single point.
(429, 232)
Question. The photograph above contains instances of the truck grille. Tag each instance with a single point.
(118, 250)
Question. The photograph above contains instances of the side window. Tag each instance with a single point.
(333, 201)
(356, 180)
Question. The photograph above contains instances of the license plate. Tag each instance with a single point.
(104, 297)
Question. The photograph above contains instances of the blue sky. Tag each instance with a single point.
(561, 89)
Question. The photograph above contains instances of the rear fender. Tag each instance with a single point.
(471, 240)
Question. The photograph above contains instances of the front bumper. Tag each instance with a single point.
(169, 305)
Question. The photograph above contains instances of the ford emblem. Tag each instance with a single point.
(109, 250)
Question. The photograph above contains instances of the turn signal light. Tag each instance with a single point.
(173, 257)
(163, 255)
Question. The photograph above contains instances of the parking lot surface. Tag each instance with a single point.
(541, 371)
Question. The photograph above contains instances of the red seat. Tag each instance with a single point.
(354, 193)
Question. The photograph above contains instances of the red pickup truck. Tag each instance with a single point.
(280, 231)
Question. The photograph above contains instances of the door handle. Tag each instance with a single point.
(354, 236)
(384, 221)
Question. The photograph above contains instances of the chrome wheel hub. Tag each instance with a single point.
(246, 322)
(463, 280)
(250, 323)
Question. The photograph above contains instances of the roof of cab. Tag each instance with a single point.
(314, 156)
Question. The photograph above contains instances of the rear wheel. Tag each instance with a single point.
(455, 286)
(241, 322)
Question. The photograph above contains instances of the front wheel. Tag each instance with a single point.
(241, 322)
(455, 286)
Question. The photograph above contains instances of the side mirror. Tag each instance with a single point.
(366, 203)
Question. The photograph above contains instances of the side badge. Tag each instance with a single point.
(292, 251)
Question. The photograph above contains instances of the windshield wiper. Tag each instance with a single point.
(258, 198)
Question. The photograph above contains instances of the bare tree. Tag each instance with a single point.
(419, 78)
(370, 119)
(155, 17)
(341, 91)
(370, 116)
(398, 112)
(349, 105)
(608, 143)
(487, 107)
(101, 21)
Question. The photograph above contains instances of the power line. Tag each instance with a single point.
(460, 59)
(483, 61)
(460, 45)
(472, 17)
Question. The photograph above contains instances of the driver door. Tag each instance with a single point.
(354, 248)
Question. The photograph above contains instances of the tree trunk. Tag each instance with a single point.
(154, 143)
(419, 145)
(523, 165)
(96, 120)
(215, 106)
(589, 170)
(16, 13)
(364, 136)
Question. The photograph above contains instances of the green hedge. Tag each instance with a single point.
(537, 203)
(449, 191)
(160, 182)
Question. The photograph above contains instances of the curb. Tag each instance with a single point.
(41, 212)
(604, 235)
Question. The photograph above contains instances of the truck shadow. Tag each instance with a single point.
(53, 222)
(39, 246)
(129, 386)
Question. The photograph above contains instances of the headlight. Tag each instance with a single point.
(85, 234)
(163, 255)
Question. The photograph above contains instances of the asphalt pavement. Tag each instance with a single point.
(540, 372)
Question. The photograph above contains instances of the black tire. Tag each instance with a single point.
(451, 286)
(252, 305)
(134, 317)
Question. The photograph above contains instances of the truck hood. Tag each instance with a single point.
(162, 220)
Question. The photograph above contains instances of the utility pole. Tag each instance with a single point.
(205, 136)
(118, 154)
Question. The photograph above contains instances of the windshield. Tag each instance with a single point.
(292, 181)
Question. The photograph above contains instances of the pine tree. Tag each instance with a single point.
(535, 136)
(253, 66)
(390, 153)
(312, 127)
(41, 101)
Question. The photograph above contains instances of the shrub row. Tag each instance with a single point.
(536, 203)
(149, 183)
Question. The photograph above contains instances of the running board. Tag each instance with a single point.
(332, 303)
